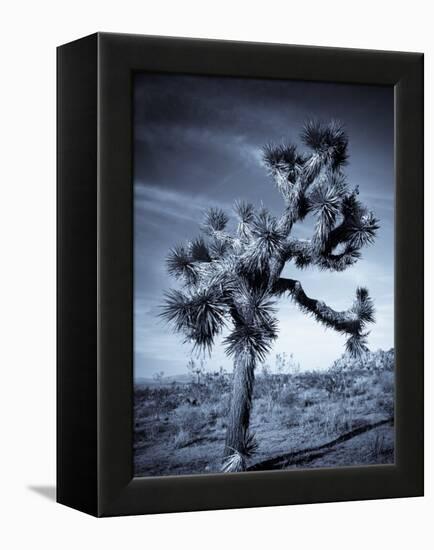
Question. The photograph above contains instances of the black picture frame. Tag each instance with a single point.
(95, 281)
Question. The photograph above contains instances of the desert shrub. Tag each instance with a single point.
(261, 406)
(287, 397)
(278, 398)
(376, 445)
(382, 360)
(380, 449)
(264, 418)
(271, 400)
(339, 420)
(313, 415)
(310, 379)
(214, 410)
(212, 416)
(156, 401)
(332, 418)
(386, 405)
(292, 418)
(145, 410)
(202, 392)
(150, 431)
(192, 420)
(334, 382)
(360, 387)
(221, 424)
(218, 381)
(265, 384)
(182, 439)
(385, 379)
(370, 361)
(141, 393)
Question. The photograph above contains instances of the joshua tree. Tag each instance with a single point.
(195, 369)
(233, 278)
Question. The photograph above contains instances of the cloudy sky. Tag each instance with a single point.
(197, 143)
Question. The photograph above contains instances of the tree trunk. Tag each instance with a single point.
(241, 401)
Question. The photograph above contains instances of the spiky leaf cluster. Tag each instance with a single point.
(245, 213)
(325, 201)
(267, 242)
(199, 315)
(328, 141)
(284, 163)
(215, 220)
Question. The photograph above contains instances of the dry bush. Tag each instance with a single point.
(214, 410)
(182, 439)
(191, 419)
(386, 381)
(379, 448)
(310, 379)
(360, 387)
(331, 418)
(287, 397)
(386, 405)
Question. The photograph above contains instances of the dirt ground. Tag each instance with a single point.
(180, 428)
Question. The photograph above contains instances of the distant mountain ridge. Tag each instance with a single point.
(178, 378)
(373, 360)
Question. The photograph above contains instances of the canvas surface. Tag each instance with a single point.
(263, 274)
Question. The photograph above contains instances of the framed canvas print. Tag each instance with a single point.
(240, 274)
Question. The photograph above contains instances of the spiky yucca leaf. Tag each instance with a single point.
(208, 309)
(180, 264)
(312, 168)
(268, 241)
(215, 219)
(303, 260)
(237, 461)
(363, 229)
(254, 304)
(338, 262)
(330, 190)
(234, 463)
(280, 156)
(351, 206)
(199, 251)
(325, 201)
(363, 306)
(257, 340)
(356, 345)
(219, 248)
(199, 315)
(283, 162)
(327, 140)
(297, 205)
(299, 250)
(250, 444)
(245, 212)
(338, 182)
(176, 310)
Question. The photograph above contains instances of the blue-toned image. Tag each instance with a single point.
(263, 274)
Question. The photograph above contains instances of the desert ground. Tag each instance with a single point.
(342, 416)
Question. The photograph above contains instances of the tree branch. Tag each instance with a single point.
(305, 253)
(346, 322)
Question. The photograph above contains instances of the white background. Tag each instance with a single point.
(30, 31)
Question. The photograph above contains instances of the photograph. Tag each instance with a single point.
(263, 274)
